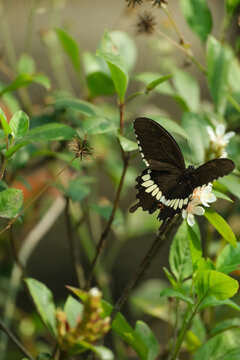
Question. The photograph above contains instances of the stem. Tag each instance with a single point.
(15, 252)
(30, 23)
(36, 197)
(188, 52)
(73, 248)
(233, 102)
(184, 328)
(167, 12)
(121, 109)
(158, 242)
(103, 237)
(15, 341)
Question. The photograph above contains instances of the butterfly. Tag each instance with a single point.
(167, 185)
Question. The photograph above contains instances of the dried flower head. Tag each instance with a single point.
(146, 24)
(134, 2)
(159, 3)
(81, 150)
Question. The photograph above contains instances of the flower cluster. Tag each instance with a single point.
(201, 196)
(219, 140)
(89, 325)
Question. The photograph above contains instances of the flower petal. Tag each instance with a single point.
(228, 135)
(190, 220)
(198, 210)
(211, 133)
(220, 130)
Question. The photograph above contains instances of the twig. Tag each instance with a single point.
(104, 234)
(15, 340)
(158, 243)
(73, 248)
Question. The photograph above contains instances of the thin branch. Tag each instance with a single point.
(15, 340)
(102, 240)
(158, 243)
(36, 197)
(73, 248)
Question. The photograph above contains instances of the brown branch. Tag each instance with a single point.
(73, 248)
(103, 238)
(158, 243)
(15, 340)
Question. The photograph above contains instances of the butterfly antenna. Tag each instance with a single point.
(189, 152)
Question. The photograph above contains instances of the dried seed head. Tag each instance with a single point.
(159, 3)
(82, 151)
(146, 24)
(132, 3)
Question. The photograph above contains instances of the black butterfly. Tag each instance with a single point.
(167, 184)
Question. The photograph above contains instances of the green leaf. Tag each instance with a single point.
(102, 352)
(225, 325)
(52, 131)
(188, 89)
(100, 84)
(170, 277)
(26, 64)
(146, 300)
(221, 195)
(157, 82)
(218, 61)
(43, 300)
(170, 125)
(195, 245)
(176, 294)
(70, 47)
(148, 338)
(116, 63)
(19, 124)
(44, 356)
(21, 81)
(73, 310)
(229, 259)
(212, 301)
(98, 125)
(231, 182)
(81, 106)
(198, 17)
(231, 7)
(6, 128)
(180, 257)
(42, 80)
(150, 77)
(214, 283)
(126, 144)
(193, 125)
(11, 201)
(221, 226)
(106, 210)
(12, 150)
(77, 191)
(124, 45)
(126, 332)
(224, 346)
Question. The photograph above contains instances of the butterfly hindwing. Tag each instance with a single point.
(211, 171)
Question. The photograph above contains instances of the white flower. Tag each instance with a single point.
(219, 139)
(191, 210)
(201, 196)
(95, 292)
(204, 195)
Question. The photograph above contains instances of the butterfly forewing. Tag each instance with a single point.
(157, 145)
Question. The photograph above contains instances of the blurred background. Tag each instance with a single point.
(41, 235)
